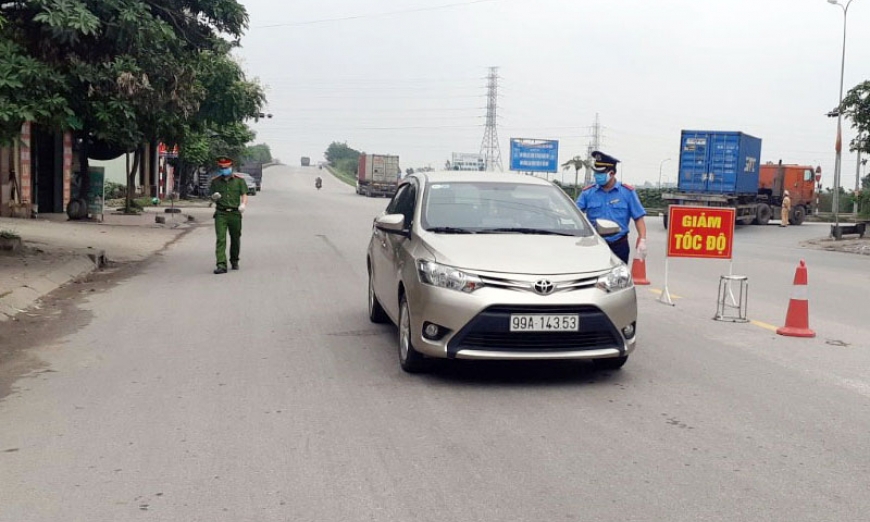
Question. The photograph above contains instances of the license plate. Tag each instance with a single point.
(545, 323)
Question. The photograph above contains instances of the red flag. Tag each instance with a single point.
(839, 145)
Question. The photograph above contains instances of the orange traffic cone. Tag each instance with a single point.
(797, 320)
(638, 271)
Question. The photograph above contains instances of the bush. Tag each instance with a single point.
(115, 190)
(651, 198)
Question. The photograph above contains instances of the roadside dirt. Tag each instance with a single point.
(860, 246)
(57, 316)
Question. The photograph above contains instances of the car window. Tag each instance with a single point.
(391, 206)
(403, 203)
(485, 206)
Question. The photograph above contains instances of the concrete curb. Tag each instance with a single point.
(25, 296)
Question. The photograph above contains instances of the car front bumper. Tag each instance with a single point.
(477, 325)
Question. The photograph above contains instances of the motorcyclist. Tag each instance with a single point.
(318, 182)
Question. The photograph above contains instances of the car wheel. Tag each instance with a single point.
(611, 363)
(665, 219)
(376, 311)
(410, 359)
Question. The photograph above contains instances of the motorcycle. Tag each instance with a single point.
(318, 183)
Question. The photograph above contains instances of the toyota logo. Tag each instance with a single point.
(544, 287)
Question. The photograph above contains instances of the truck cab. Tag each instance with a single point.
(799, 180)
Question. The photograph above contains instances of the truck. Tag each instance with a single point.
(255, 169)
(723, 169)
(306, 161)
(378, 175)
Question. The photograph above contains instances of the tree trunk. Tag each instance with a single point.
(84, 164)
(131, 182)
(84, 181)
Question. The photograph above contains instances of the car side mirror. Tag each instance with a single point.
(606, 228)
(392, 224)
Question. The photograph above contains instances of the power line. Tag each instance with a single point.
(376, 15)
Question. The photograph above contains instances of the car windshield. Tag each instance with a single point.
(493, 208)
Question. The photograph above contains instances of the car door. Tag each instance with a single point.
(394, 246)
(381, 251)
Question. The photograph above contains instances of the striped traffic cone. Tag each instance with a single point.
(797, 319)
(638, 271)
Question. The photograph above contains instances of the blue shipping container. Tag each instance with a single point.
(714, 162)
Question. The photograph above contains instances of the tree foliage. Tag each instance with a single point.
(126, 71)
(856, 107)
(259, 153)
(30, 90)
(340, 151)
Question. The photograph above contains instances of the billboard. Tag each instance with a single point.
(704, 232)
(530, 155)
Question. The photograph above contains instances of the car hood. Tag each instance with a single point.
(521, 253)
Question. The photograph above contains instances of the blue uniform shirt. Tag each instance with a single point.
(619, 204)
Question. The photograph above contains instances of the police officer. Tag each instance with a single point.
(230, 194)
(618, 202)
(785, 210)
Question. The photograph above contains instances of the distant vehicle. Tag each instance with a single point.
(722, 169)
(378, 175)
(255, 169)
(306, 161)
(457, 264)
(251, 182)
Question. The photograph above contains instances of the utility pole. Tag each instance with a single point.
(489, 147)
(857, 182)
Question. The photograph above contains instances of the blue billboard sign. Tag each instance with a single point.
(534, 155)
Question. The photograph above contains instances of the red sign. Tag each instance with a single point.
(163, 150)
(706, 232)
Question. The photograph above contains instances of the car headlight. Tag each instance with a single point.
(617, 279)
(443, 276)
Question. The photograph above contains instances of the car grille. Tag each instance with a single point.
(539, 341)
(490, 330)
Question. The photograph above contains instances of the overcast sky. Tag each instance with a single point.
(408, 77)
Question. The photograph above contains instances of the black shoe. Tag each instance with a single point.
(220, 270)
(235, 266)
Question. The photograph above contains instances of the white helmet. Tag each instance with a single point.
(786, 193)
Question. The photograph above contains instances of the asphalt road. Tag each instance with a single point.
(266, 394)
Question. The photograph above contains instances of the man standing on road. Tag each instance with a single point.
(786, 209)
(618, 202)
(230, 194)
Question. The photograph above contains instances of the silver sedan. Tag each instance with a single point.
(497, 267)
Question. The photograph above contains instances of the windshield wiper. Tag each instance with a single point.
(523, 230)
(450, 230)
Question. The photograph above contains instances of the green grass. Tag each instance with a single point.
(347, 177)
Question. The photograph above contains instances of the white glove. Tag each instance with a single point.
(216, 196)
(242, 208)
(641, 248)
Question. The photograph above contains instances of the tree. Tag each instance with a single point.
(340, 151)
(127, 70)
(217, 129)
(30, 90)
(576, 163)
(259, 153)
(856, 107)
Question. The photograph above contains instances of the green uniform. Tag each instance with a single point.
(227, 217)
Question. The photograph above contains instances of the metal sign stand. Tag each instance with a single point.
(729, 280)
(665, 298)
